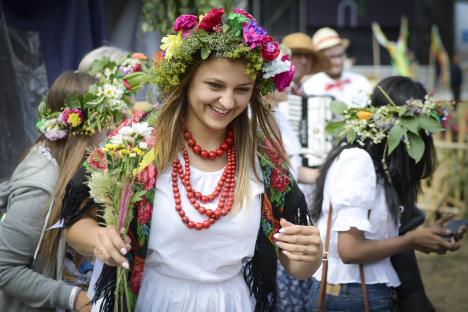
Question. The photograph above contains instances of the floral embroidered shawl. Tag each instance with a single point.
(282, 199)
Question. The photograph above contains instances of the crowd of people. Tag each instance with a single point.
(196, 202)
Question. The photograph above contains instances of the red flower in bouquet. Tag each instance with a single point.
(211, 19)
(136, 67)
(147, 177)
(127, 85)
(97, 159)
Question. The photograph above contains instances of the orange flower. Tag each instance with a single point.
(139, 56)
(363, 115)
(158, 58)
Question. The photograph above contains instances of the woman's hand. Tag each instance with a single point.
(431, 239)
(110, 248)
(302, 247)
(82, 302)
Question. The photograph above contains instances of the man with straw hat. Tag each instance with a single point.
(306, 59)
(342, 85)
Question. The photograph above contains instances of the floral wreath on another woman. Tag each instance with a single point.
(106, 102)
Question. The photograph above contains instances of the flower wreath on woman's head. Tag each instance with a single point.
(237, 37)
(106, 102)
(394, 123)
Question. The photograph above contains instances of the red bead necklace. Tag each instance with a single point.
(209, 154)
(224, 190)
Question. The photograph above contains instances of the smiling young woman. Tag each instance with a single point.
(221, 196)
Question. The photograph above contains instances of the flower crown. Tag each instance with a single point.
(105, 103)
(394, 123)
(238, 37)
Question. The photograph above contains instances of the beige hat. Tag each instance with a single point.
(300, 42)
(327, 37)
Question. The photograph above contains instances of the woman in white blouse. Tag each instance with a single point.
(366, 200)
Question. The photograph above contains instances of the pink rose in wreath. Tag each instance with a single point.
(184, 23)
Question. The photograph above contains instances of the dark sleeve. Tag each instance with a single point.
(77, 203)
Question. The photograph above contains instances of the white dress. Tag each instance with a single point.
(353, 188)
(189, 270)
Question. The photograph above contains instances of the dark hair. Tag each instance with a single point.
(402, 178)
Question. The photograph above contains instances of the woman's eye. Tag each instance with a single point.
(215, 86)
(243, 90)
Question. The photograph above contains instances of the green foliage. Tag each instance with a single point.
(394, 137)
(338, 107)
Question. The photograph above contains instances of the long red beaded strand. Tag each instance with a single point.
(224, 188)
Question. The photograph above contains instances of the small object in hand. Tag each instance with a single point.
(454, 226)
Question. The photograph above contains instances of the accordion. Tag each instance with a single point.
(308, 117)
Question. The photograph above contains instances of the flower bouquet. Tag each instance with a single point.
(115, 184)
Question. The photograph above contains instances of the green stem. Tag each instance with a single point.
(386, 95)
(126, 293)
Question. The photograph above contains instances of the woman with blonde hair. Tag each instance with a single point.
(215, 191)
(31, 251)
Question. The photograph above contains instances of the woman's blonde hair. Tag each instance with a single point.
(170, 141)
(69, 152)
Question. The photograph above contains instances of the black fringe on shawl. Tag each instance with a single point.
(260, 271)
(105, 288)
(76, 202)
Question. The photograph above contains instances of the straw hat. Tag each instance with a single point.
(327, 37)
(300, 42)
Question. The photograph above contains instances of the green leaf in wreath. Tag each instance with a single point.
(205, 52)
(411, 124)
(333, 127)
(203, 36)
(350, 136)
(402, 111)
(430, 124)
(394, 137)
(72, 101)
(42, 108)
(338, 107)
(416, 146)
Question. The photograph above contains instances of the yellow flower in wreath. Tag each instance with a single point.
(363, 115)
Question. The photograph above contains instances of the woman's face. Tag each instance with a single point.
(218, 92)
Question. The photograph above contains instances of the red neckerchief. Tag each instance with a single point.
(338, 84)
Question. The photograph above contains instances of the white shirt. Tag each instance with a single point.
(190, 270)
(291, 142)
(353, 189)
(293, 147)
(351, 86)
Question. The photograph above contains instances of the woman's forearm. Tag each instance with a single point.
(81, 236)
(353, 247)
